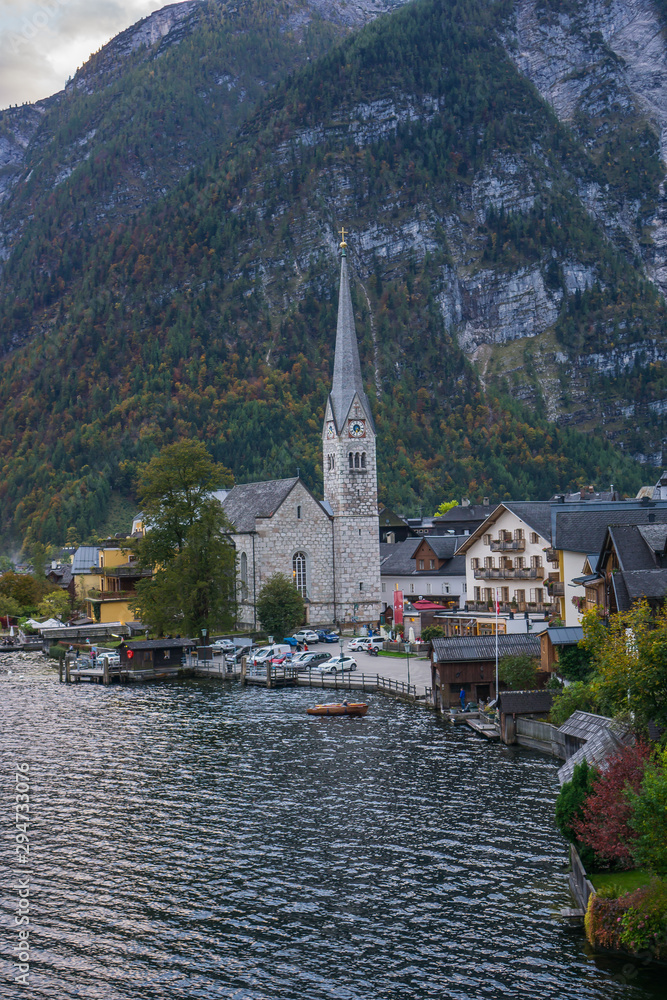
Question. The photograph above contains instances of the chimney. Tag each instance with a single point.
(465, 502)
(485, 501)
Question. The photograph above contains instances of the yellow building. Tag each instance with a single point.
(105, 578)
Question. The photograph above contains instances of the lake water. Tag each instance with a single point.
(194, 840)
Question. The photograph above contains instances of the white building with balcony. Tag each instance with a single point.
(506, 557)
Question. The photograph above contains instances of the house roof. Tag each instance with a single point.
(427, 606)
(583, 530)
(397, 560)
(159, 644)
(483, 647)
(631, 549)
(524, 702)
(534, 513)
(444, 546)
(566, 636)
(632, 585)
(85, 558)
(389, 518)
(584, 725)
(251, 500)
(601, 745)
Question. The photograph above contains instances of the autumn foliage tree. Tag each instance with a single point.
(604, 821)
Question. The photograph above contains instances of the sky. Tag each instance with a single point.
(43, 42)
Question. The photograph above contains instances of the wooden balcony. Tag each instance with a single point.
(526, 573)
(508, 545)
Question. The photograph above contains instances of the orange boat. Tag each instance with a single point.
(346, 708)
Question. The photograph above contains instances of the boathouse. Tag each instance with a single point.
(153, 654)
(469, 663)
(530, 704)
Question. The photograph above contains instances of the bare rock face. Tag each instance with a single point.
(607, 54)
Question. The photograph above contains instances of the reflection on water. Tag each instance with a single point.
(198, 841)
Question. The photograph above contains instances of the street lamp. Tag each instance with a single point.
(407, 650)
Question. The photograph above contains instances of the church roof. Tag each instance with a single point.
(250, 500)
(347, 378)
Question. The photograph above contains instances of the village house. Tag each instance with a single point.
(578, 531)
(506, 556)
(631, 565)
(427, 568)
(105, 578)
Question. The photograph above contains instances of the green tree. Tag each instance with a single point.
(10, 606)
(280, 606)
(649, 817)
(570, 806)
(445, 506)
(574, 696)
(186, 544)
(575, 663)
(56, 603)
(26, 590)
(630, 660)
(518, 672)
(433, 632)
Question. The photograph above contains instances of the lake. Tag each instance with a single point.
(196, 840)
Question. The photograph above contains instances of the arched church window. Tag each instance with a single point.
(299, 572)
(244, 576)
(356, 460)
(350, 459)
(363, 460)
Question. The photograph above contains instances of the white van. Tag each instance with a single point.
(268, 652)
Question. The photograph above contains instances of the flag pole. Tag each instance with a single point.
(497, 605)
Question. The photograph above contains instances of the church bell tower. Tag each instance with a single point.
(350, 472)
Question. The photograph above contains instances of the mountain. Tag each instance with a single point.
(499, 168)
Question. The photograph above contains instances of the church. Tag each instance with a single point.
(330, 547)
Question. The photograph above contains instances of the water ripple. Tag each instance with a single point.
(196, 841)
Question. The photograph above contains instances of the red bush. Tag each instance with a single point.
(604, 824)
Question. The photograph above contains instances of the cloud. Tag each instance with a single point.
(43, 42)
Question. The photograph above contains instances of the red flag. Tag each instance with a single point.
(398, 607)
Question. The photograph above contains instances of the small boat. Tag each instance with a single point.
(346, 708)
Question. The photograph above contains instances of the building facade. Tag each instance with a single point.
(506, 556)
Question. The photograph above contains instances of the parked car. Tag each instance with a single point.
(306, 635)
(375, 640)
(327, 636)
(291, 641)
(226, 645)
(361, 642)
(265, 653)
(338, 664)
(310, 661)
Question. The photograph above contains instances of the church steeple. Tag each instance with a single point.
(347, 380)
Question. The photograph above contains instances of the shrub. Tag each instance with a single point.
(57, 652)
(519, 672)
(569, 807)
(635, 922)
(573, 697)
(575, 663)
(649, 817)
(644, 924)
(603, 823)
(433, 632)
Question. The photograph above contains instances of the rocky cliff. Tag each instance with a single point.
(170, 245)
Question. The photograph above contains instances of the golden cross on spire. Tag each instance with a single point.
(343, 244)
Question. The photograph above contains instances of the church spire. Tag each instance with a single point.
(347, 381)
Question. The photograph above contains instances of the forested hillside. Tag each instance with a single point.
(209, 311)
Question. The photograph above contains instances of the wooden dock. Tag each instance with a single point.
(484, 727)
